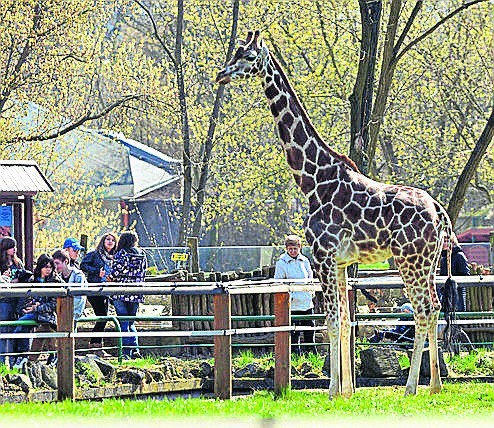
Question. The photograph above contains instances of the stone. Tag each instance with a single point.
(109, 371)
(157, 375)
(379, 362)
(206, 369)
(33, 370)
(49, 376)
(22, 381)
(425, 366)
(87, 369)
(134, 377)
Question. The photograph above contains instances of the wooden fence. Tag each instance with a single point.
(222, 296)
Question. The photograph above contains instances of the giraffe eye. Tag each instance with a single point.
(251, 56)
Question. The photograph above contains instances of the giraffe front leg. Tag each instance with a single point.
(418, 347)
(334, 357)
(345, 332)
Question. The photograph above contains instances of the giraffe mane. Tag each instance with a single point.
(341, 157)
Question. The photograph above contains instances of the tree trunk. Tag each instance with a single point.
(208, 146)
(187, 163)
(361, 98)
(459, 193)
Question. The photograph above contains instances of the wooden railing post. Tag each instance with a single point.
(351, 304)
(65, 348)
(222, 347)
(282, 343)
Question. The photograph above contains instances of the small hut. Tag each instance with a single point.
(20, 181)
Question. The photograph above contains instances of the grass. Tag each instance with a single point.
(477, 400)
(374, 266)
(475, 363)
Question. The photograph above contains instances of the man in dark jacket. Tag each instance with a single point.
(459, 267)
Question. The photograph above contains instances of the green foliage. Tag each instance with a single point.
(86, 55)
(475, 363)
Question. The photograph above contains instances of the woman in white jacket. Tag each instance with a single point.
(294, 265)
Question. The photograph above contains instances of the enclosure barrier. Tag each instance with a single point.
(222, 296)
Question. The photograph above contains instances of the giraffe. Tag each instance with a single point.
(352, 218)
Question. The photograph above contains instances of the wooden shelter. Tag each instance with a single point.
(20, 181)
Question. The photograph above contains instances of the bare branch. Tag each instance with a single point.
(86, 118)
(156, 33)
(435, 27)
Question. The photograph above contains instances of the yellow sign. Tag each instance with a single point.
(182, 257)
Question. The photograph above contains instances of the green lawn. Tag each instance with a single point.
(456, 400)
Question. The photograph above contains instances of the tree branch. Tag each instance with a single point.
(408, 25)
(156, 33)
(435, 27)
(74, 125)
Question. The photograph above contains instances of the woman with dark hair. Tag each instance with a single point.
(38, 308)
(459, 267)
(97, 266)
(129, 267)
(10, 268)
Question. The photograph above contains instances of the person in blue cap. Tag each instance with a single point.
(401, 333)
(73, 247)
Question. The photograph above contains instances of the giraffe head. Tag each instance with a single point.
(248, 61)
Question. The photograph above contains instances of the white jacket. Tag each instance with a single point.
(299, 268)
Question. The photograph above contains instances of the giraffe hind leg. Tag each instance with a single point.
(416, 286)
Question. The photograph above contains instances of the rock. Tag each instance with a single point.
(425, 367)
(206, 369)
(270, 373)
(157, 375)
(252, 370)
(135, 377)
(33, 370)
(305, 368)
(22, 381)
(87, 369)
(109, 371)
(49, 376)
(326, 369)
(379, 362)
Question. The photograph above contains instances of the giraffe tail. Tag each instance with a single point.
(449, 294)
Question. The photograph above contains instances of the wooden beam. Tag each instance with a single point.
(65, 349)
(222, 347)
(282, 343)
(28, 232)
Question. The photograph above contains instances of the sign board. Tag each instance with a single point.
(6, 215)
(179, 257)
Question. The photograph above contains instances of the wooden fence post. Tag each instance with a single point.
(65, 348)
(351, 304)
(282, 343)
(192, 243)
(222, 347)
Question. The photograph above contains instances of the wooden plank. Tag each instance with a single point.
(222, 348)
(65, 349)
(282, 343)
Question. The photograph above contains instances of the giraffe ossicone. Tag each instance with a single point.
(352, 218)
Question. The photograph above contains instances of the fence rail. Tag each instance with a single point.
(223, 294)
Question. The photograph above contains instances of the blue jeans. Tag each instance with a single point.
(24, 344)
(130, 343)
(7, 313)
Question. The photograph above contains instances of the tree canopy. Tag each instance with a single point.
(142, 67)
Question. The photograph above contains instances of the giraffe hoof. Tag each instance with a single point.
(435, 390)
(410, 391)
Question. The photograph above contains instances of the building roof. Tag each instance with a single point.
(22, 177)
(120, 166)
(475, 234)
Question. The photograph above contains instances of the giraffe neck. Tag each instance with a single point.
(305, 150)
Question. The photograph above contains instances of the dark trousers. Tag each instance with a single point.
(309, 335)
(100, 307)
